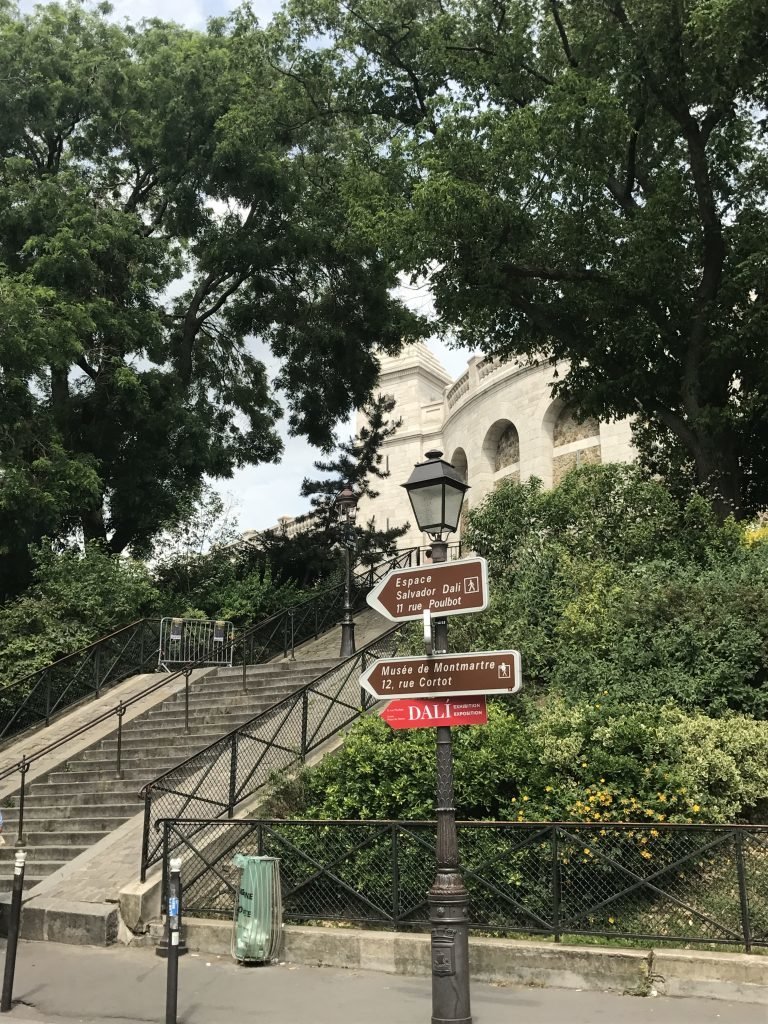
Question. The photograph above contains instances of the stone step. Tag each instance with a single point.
(172, 738)
(41, 867)
(86, 778)
(154, 735)
(80, 831)
(207, 701)
(30, 881)
(115, 787)
(134, 759)
(92, 805)
(313, 669)
(36, 854)
(211, 714)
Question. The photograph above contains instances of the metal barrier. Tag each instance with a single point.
(662, 883)
(204, 641)
(38, 697)
(213, 781)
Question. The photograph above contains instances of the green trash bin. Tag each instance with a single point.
(258, 924)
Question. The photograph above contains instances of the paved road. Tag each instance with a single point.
(58, 984)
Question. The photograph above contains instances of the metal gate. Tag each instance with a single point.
(206, 641)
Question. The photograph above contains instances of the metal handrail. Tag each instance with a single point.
(282, 622)
(218, 777)
(72, 666)
(21, 693)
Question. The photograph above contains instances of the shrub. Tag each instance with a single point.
(552, 760)
(75, 597)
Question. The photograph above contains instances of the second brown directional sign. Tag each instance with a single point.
(448, 588)
(444, 675)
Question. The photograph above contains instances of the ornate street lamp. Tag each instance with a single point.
(437, 492)
(346, 507)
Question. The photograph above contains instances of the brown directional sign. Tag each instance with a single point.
(443, 675)
(448, 588)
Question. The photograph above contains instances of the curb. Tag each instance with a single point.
(735, 977)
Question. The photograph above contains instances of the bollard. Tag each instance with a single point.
(174, 928)
(13, 931)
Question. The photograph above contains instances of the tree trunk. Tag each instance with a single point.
(718, 471)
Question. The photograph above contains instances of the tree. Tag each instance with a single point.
(583, 180)
(308, 555)
(75, 598)
(164, 194)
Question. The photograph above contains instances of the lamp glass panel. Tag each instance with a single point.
(427, 505)
(454, 499)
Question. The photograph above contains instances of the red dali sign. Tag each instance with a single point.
(425, 714)
(447, 588)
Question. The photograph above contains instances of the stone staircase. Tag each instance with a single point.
(82, 800)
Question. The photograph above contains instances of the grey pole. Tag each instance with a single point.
(347, 623)
(174, 928)
(448, 898)
(13, 931)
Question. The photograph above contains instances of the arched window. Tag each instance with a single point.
(575, 443)
(459, 462)
(507, 448)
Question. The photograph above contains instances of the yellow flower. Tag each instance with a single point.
(695, 808)
(646, 853)
(525, 799)
(547, 789)
(611, 920)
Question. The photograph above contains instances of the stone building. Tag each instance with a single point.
(497, 421)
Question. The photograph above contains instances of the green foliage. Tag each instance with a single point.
(610, 587)
(580, 181)
(165, 194)
(313, 554)
(609, 513)
(643, 630)
(75, 598)
(203, 572)
(551, 760)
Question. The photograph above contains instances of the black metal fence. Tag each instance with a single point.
(661, 883)
(38, 697)
(214, 781)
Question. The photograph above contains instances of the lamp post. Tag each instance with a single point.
(346, 506)
(436, 492)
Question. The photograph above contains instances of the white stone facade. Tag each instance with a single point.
(497, 420)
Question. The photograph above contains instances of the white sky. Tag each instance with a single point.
(260, 494)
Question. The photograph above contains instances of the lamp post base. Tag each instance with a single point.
(347, 639)
(449, 918)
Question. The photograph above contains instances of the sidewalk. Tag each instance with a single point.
(58, 984)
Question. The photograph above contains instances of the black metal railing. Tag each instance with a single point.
(37, 698)
(211, 783)
(279, 633)
(662, 883)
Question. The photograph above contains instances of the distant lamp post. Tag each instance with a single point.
(346, 507)
(437, 492)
